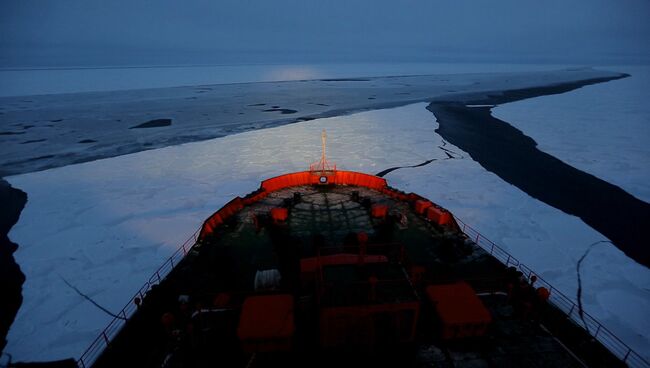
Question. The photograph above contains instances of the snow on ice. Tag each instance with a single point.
(603, 129)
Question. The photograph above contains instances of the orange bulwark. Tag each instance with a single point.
(220, 216)
(335, 177)
(266, 323)
(286, 181)
(461, 312)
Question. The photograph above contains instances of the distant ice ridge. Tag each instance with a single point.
(602, 129)
(21, 82)
(106, 225)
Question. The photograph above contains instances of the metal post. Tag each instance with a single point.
(629, 350)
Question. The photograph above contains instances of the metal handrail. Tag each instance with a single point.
(107, 335)
(597, 330)
(563, 303)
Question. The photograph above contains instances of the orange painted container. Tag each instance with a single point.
(279, 214)
(266, 323)
(421, 206)
(379, 211)
(438, 215)
(461, 312)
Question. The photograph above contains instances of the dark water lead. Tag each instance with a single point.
(12, 202)
(451, 155)
(504, 150)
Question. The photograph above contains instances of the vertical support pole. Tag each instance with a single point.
(629, 350)
(324, 143)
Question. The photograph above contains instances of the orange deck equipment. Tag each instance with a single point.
(461, 312)
(266, 323)
(379, 211)
(421, 206)
(279, 214)
(438, 215)
(312, 264)
(386, 324)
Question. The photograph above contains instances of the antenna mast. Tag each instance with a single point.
(323, 167)
(324, 144)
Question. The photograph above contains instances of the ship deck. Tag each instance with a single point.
(218, 274)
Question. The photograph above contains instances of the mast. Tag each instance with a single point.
(323, 158)
(323, 166)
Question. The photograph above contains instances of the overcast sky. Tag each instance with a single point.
(138, 32)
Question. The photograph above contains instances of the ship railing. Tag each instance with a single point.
(96, 348)
(563, 303)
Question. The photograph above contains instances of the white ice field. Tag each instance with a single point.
(603, 129)
(106, 225)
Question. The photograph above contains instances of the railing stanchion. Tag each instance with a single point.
(89, 356)
(612, 343)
